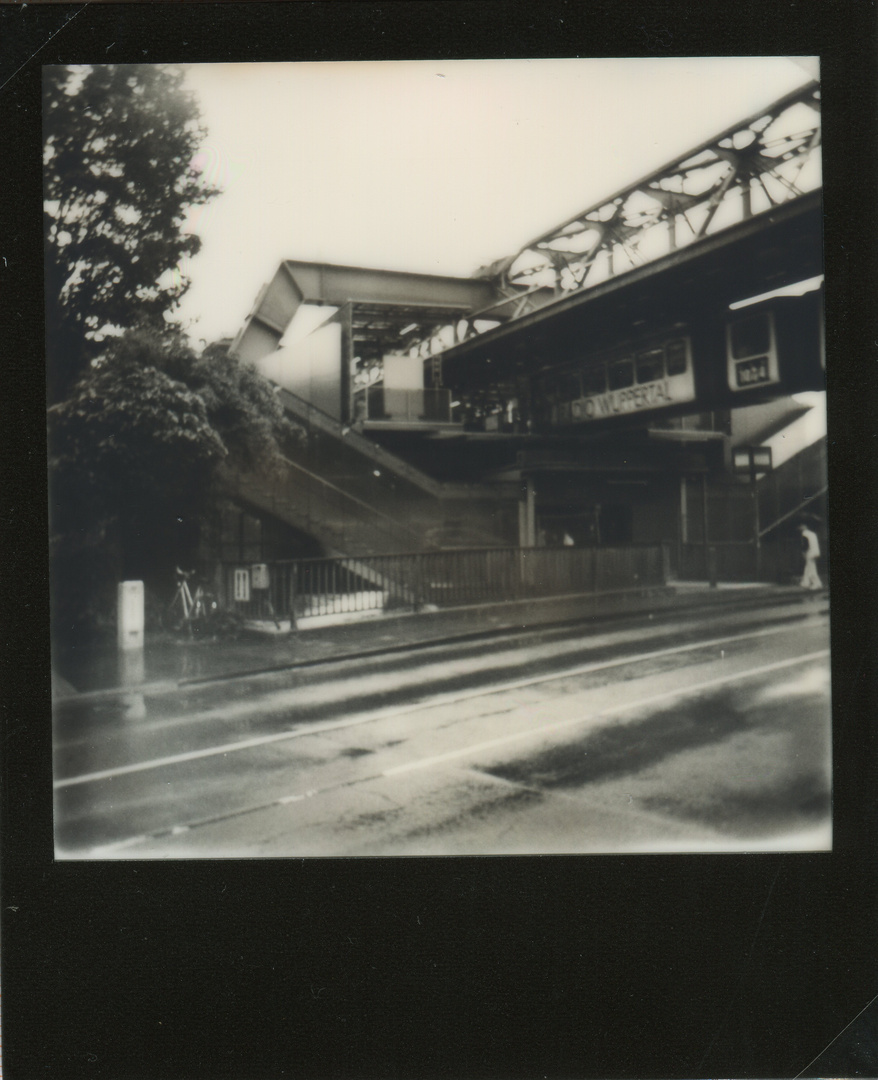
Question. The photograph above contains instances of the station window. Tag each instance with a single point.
(568, 387)
(594, 380)
(650, 365)
(552, 389)
(675, 356)
(750, 337)
(621, 373)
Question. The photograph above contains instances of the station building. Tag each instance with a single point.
(674, 399)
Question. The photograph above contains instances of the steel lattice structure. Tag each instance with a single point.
(749, 168)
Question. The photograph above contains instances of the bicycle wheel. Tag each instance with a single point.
(204, 607)
(226, 625)
(173, 617)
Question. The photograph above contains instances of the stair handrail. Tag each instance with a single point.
(811, 451)
(792, 513)
(372, 510)
(439, 489)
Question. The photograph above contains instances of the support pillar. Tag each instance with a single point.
(757, 539)
(666, 563)
(712, 575)
(682, 565)
(527, 518)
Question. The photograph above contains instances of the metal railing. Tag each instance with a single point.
(340, 520)
(792, 488)
(314, 420)
(386, 403)
(426, 507)
(775, 562)
(383, 583)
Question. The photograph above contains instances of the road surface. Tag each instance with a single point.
(669, 734)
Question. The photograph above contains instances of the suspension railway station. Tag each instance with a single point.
(549, 459)
(617, 402)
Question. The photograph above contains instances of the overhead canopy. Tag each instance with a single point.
(295, 283)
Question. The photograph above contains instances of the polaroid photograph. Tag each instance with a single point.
(437, 461)
(433, 433)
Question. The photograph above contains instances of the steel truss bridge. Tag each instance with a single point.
(749, 169)
(736, 216)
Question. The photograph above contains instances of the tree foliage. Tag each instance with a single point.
(136, 448)
(241, 404)
(120, 176)
(151, 421)
(139, 424)
(131, 435)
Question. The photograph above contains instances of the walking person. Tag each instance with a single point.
(811, 551)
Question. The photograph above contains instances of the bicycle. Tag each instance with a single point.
(185, 610)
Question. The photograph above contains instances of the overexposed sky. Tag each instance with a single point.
(434, 167)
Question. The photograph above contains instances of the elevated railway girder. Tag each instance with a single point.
(767, 252)
(754, 165)
(590, 379)
(664, 258)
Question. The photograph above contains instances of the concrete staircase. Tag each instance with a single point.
(356, 498)
(796, 487)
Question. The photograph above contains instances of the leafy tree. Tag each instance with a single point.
(242, 406)
(135, 462)
(132, 451)
(131, 432)
(119, 147)
(139, 424)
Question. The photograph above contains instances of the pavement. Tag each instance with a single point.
(165, 663)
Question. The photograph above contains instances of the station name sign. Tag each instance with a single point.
(651, 395)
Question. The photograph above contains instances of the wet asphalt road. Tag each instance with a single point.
(702, 734)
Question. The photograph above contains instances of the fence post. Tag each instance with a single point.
(666, 562)
(418, 583)
(712, 567)
(757, 541)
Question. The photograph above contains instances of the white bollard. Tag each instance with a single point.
(132, 672)
(130, 614)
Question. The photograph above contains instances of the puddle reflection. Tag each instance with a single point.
(131, 671)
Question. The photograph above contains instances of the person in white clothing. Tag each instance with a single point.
(810, 578)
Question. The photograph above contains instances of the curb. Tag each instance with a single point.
(669, 599)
